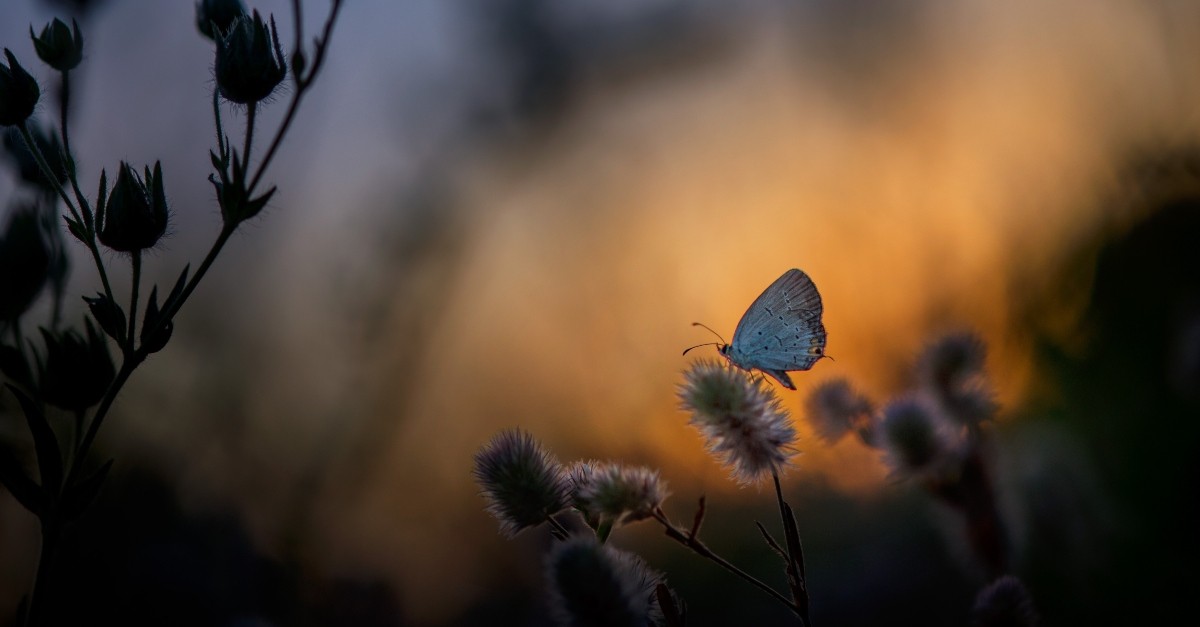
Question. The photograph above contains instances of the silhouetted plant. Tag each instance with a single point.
(745, 427)
(933, 434)
(75, 371)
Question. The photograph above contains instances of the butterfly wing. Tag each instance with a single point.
(782, 329)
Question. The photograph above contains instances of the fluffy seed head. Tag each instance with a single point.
(523, 483)
(1004, 603)
(610, 491)
(596, 585)
(951, 371)
(835, 408)
(913, 436)
(740, 418)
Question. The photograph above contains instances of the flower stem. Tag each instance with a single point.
(699, 548)
(251, 110)
(36, 151)
(63, 109)
(795, 555)
(62, 193)
(302, 84)
(557, 526)
(217, 122)
(136, 262)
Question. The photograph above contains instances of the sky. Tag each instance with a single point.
(509, 214)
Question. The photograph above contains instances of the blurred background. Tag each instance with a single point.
(499, 213)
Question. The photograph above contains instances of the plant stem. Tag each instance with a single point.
(699, 548)
(170, 310)
(69, 161)
(136, 262)
(251, 110)
(127, 366)
(217, 122)
(558, 527)
(49, 174)
(795, 555)
(302, 84)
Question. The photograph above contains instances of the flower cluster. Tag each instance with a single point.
(927, 430)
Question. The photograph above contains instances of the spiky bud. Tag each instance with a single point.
(135, 216)
(19, 92)
(250, 62)
(58, 46)
(214, 17)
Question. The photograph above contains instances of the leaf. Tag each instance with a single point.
(795, 569)
(257, 204)
(77, 498)
(76, 229)
(155, 330)
(100, 199)
(50, 463)
(109, 316)
(19, 484)
(771, 542)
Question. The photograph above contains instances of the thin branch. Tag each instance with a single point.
(561, 532)
(49, 174)
(699, 548)
(771, 541)
(302, 84)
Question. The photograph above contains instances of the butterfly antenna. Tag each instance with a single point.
(704, 344)
(701, 324)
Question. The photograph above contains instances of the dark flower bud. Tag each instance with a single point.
(218, 14)
(135, 216)
(19, 93)
(250, 61)
(78, 370)
(24, 263)
(57, 46)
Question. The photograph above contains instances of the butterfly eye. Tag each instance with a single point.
(816, 350)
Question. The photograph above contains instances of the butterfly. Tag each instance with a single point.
(780, 332)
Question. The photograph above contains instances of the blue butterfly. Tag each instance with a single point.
(781, 331)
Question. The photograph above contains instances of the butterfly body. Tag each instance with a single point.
(781, 331)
